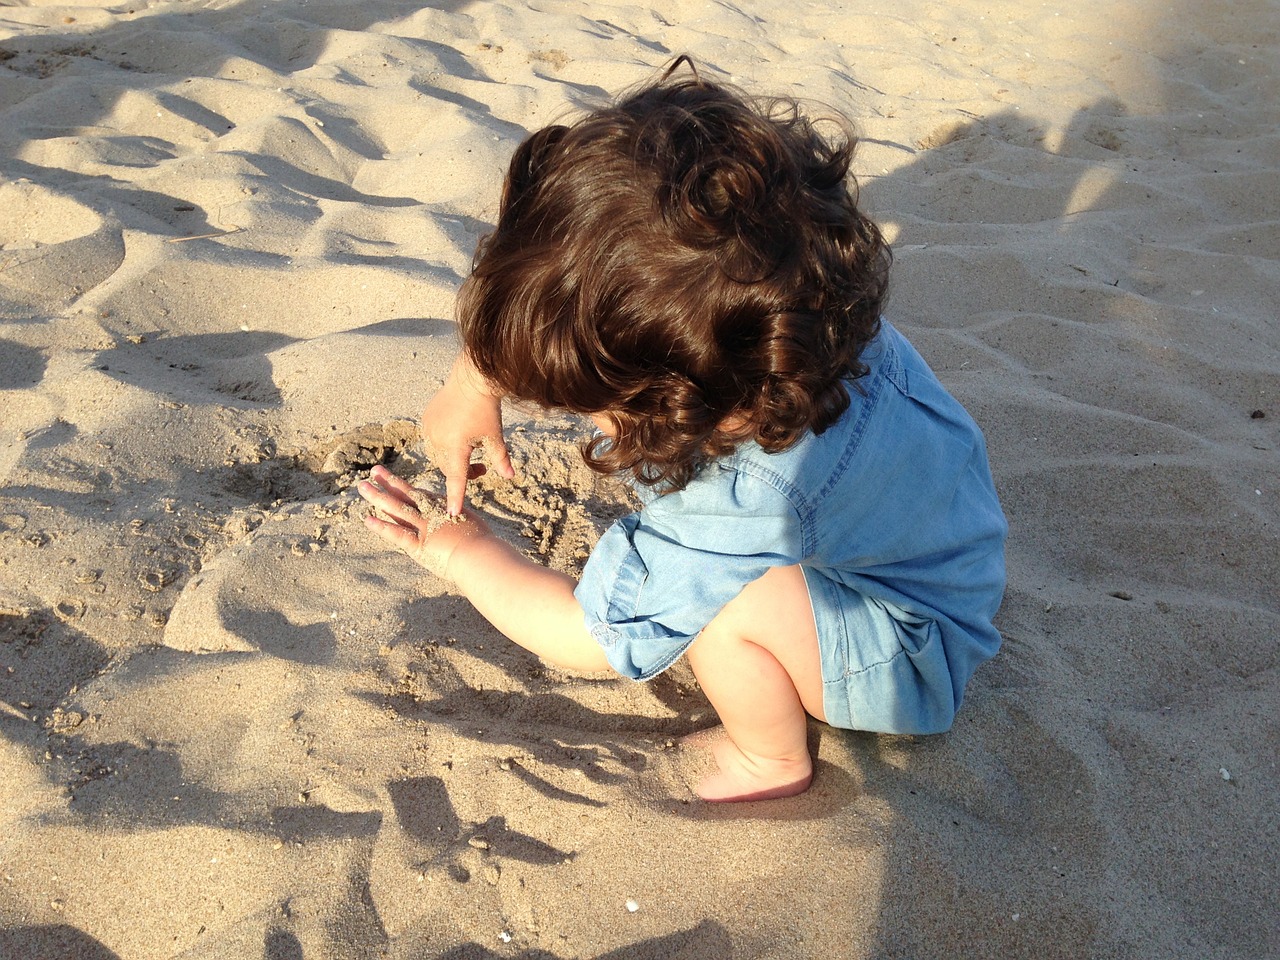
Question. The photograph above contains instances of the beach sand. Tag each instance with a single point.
(233, 725)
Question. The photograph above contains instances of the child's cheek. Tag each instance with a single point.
(604, 423)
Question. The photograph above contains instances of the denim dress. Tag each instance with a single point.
(890, 513)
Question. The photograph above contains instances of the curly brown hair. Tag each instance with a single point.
(690, 262)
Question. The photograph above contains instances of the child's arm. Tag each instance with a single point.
(532, 605)
(463, 414)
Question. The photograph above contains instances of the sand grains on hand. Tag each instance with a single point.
(433, 511)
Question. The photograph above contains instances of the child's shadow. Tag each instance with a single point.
(1000, 236)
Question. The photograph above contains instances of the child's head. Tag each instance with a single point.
(688, 261)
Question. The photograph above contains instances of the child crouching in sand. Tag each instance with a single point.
(820, 533)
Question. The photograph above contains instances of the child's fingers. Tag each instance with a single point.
(391, 504)
(455, 471)
(399, 536)
(501, 458)
(372, 491)
(389, 481)
(384, 479)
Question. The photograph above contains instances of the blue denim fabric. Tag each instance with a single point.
(893, 516)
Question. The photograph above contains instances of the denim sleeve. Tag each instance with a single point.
(657, 577)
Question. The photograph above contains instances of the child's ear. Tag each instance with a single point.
(530, 157)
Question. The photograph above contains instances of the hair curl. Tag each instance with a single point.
(690, 262)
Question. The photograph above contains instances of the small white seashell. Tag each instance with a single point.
(632, 906)
(1226, 774)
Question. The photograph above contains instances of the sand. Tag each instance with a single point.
(232, 725)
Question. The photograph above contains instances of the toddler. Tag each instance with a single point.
(819, 534)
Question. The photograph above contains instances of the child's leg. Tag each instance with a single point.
(758, 664)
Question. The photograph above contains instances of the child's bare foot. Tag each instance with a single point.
(742, 776)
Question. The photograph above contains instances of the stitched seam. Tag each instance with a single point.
(856, 434)
(872, 666)
(789, 491)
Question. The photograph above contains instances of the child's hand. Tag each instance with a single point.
(419, 525)
(464, 414)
